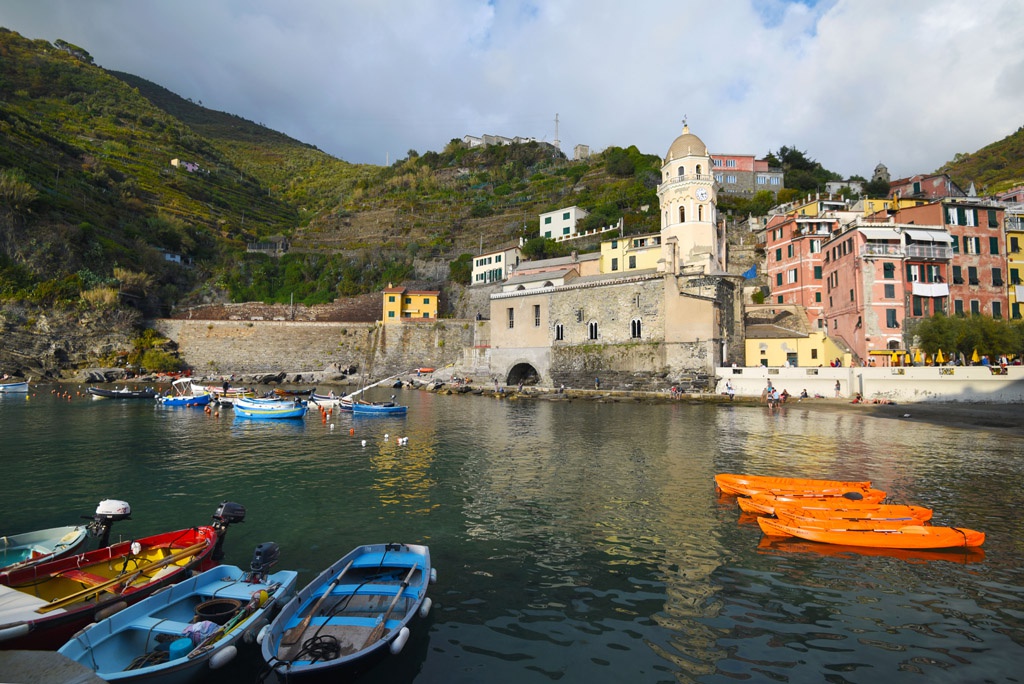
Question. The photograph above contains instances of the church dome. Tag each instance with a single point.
(686, 145)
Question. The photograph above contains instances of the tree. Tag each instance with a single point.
(461, 270)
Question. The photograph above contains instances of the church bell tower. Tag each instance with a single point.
(688, 201)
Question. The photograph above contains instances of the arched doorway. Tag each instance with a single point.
(523, 373)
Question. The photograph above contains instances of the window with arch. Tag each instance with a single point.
(682, 214)
(559, 332)
(635, 328)
(698, 170)
(592, 330)
(682, 171)
(700, 212)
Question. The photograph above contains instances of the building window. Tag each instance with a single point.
(972, 245)
(992, 221)
(888, 270)
(536, 315)
(547, 234)
(559, 332)
(391, 298)
(426, 300)
(1015, 310)
(817, 272)
(817, 298)
(565, 231)
(716, 162)
(730, 179)
(851, 294)
(997, 277)
(791, 275)
(730, 163)
(592, 330)
(789, 251)
(958, 307)
(565, 216)
(778, 279)
(975, 307)
(547, 220)
(955, 243)
(997, 310)
(632, 261)
(890, 319)
(1014, 276)
(718, 178)
(426, 314)
(615, 264)
(993, 245)
(958, 277)
(890, 291)
(511, 318)
(391, 314)
(815, 246)
(615, 244)
(408, 300)
(635, 328)
(780, 299)
(972, 275)
(1015, 245)
(778, 254)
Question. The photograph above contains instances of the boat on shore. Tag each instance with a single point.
(896, 537)
(42, 606)
(178, 634)
(354, 613)
(123, 393)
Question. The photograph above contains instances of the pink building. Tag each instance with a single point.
(794, 260)
(925, 186)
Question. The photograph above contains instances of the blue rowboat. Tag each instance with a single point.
(355, 613)
(188, 629)
(14, 387)
(30, 548)
(379, 408)
(249, 408)
(185, 400)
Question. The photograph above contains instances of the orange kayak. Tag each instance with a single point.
(906, 537)
(747, 485)
(792, 518)
(857, 510)
(765, 504)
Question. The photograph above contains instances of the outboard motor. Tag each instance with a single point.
(263, 558)
(228, 513)
(107, 513)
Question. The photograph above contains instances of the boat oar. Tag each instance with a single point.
(379, 629)
(295, 633)
(123, 579)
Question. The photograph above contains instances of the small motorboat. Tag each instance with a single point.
(378, 408)
(14, 387)
(281, 392)
(184, 395)
(331, 401)
(29, 548)
(194, 626)
(269, 408)
(42, 606)
(747, 485)
(123, 393)
(896, 537)
(356, 612)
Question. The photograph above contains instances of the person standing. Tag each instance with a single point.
(837, 389)
(729, 390)
(597, 383)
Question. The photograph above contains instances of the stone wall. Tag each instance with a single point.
(218, 347)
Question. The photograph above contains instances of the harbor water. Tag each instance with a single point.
(575, 541)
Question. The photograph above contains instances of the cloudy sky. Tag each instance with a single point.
(851, 82)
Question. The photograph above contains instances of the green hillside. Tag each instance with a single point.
(993, 169)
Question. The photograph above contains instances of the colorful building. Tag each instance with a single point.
(561, 223)
(495, 266)
(742, 174)
(403, 305)
(631, 253)
(1015, 258)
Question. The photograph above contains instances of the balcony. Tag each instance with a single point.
(672, 180)
(928, 252)
(876, 249)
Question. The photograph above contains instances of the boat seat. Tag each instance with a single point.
(391, 559)
(410, 592)
(90, 580)
(149, 623)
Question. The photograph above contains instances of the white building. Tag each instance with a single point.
(561, 223)
(494, 267)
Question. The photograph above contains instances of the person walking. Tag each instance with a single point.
(597, 383)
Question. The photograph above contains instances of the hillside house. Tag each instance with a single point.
(402, 305)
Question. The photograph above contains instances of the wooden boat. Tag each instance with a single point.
(378, 408)
(747, 485)
(269, 409)
(355, 612)
(331, 401)
(293, 392)
(14, 387)
(31, 548)
(219, 391)
(184, 395)
(765, 504)
(788, 516)
(152, 640)
(905, 537)
(43, 605)
(123, 393)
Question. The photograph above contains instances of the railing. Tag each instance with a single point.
(689, 177)
(872, 249)
(929, 252)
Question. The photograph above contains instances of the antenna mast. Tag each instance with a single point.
(558, 143)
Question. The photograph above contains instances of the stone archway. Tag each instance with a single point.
(522, 373)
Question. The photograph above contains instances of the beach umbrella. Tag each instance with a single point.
(975, 358)
(917, 356)
(895, 359)
(939, 358)
(906, 359)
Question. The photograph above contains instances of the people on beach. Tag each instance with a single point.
(838, 387)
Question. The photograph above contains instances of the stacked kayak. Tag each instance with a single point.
(848, 513)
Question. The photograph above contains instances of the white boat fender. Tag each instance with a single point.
(425, 607)
(14, 631)
(253, 633)
(262, 634)
(223, 657)
(399, 643)
(104, 613)
(433, 575)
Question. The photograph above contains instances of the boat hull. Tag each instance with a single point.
(200, 400)
(269, 409)
(41, 546)
(350, 609)
(765, 504)
(359, 409)
(101, 393)
(24, 592)
(14, 387)
(748, 485)
(110, 646)
(907, 537)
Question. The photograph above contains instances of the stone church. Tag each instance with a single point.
(668, 324)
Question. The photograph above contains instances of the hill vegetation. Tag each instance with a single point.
(993, 169)
(93, 213)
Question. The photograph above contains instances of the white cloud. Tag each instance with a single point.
(851, 82)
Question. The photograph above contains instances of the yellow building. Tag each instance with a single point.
(779, 336)
(631, 253)
(402, 304)
(1015, 257)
